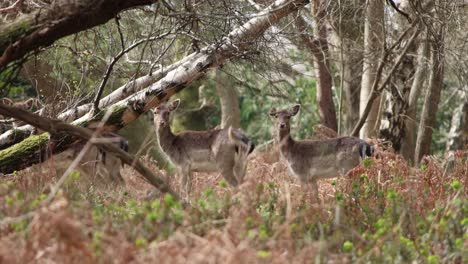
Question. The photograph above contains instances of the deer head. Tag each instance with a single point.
(162, 113)
(283, 117)
(6, 101)
(28, 104)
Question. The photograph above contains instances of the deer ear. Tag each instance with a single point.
(6, 101)
(295, 109)
(174, 105)
(272, 112)
(29, 103)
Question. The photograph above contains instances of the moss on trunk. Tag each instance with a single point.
(19, 156)
(37, 148)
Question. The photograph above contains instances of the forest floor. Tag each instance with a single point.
(382, 211)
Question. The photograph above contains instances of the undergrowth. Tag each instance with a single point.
(381, 212)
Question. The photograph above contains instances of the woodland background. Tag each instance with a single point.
(394, 72)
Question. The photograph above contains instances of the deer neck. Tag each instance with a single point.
(285, 139)
(165, 136)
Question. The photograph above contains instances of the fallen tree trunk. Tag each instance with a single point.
(16, 135)
(191, 68)
(62, 133)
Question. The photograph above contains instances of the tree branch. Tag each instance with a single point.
(44, 26)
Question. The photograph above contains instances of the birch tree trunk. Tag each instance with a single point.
(229, 99)
(373, 45)
(458, 134)
(191, 68)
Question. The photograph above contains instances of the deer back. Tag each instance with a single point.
(323, 158)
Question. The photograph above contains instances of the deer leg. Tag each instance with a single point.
(239, 170)
(240, 163)
(115, 175)
(226, 165)
(186, 180)
(312, 188)
(188, 184)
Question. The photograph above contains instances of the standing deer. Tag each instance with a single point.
(222, 150)
(310, 160)
(29, 105)
(95, 161)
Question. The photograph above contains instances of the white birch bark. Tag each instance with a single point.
(373, 44)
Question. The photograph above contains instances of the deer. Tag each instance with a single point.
(310, 160)
(95, 161)
(224, 150)
(29, 105)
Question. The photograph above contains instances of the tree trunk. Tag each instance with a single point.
(230, 110)
(373, 45)
(191, 68)
(409, 139)
(458, 135)
(327, 111)
(431, 101)
(318, 47)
